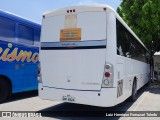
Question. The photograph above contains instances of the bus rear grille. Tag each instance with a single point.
(120, 88)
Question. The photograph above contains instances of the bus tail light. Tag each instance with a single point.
(108, 76)
(39, 78)
(108, 66)
(38, 72)
(106, 82)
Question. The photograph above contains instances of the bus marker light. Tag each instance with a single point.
(104, 9)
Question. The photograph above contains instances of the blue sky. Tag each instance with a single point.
(33, 9)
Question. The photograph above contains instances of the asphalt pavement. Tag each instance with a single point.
(148, 100)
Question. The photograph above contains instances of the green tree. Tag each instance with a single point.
(143, 17)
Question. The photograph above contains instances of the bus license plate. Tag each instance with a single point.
(68, 98)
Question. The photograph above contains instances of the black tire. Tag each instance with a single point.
(4, 89)
(134, 92)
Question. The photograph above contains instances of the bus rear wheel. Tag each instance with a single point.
(4, 89)
(134, 92)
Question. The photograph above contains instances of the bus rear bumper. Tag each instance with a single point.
(104, 98)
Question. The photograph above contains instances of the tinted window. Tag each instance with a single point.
(123, 41)
(128, 46)
(26, 35)
(7, 29)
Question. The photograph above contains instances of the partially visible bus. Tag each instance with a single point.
(19, 54)
(90, 56)
(156, 58)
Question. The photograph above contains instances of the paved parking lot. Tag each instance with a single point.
(148, 100)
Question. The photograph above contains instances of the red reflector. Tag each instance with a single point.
(107, 74)
(38, 71)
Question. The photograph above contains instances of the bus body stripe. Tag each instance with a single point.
(67, 48)
(92, 44)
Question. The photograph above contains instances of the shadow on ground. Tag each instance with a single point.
(84, 112)
(22, 95)
(154, 87)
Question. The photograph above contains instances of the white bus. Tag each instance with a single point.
(90, 56)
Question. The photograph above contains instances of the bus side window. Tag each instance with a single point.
(26, 35)
(7, 29)
(122, 41)
(128, 46)
(119, 51)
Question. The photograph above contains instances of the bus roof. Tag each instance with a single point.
(157, 53)
(97, 7)
(19, 19)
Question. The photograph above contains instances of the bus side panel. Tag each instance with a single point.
(121, 81)
(111, 43)
(117, 62)
(136, 69)
(21, 71)
(130, 69)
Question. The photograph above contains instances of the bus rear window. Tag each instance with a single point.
(7, 29)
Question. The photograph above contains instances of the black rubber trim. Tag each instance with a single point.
(70, 47)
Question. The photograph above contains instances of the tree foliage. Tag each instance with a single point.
(143, 17)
